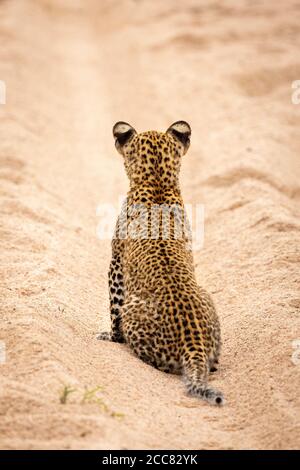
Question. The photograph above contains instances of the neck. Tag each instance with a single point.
(155, 193)
(155, 185)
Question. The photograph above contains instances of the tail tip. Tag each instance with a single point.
(219, 400)
(214, 397)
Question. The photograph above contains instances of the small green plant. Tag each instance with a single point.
(90, 396)
(117, 415)
(66, 391)
(93, 396)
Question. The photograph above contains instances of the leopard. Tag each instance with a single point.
(156, 305)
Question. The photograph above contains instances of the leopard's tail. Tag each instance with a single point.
(195, 372)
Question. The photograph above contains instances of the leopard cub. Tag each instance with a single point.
(156, 305)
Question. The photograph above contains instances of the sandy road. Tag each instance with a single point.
(74, 68)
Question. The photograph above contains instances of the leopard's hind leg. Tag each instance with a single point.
(140, 328)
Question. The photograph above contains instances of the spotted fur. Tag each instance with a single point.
(156, 306)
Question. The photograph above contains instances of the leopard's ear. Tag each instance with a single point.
(122, 132)
(181, 130)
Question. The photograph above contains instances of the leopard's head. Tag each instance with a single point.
(152, 157)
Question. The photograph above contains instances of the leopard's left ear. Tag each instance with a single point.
(181, 130)
(122, 132)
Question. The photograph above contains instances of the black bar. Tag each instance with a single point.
(138, 458)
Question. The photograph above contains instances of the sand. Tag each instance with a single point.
(74, 68)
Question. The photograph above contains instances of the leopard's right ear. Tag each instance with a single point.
(122, 132)
(181, 131)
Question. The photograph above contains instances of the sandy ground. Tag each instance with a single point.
(73, 68)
